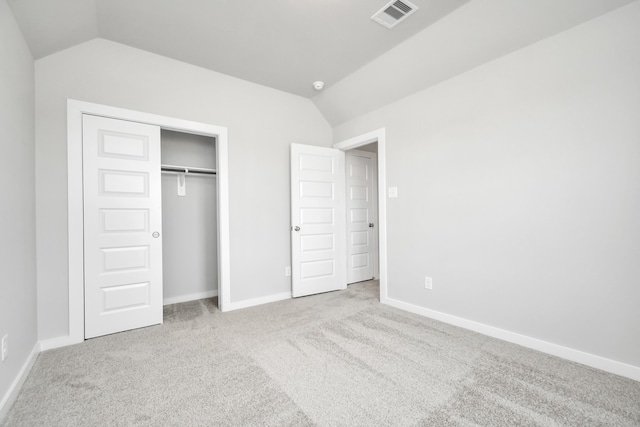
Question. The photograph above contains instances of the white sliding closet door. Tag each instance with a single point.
(122, 224)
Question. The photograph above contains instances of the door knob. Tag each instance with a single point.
(296, 228)
(370, 225)
(156, 234)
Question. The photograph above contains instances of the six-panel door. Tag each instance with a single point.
(122, 225)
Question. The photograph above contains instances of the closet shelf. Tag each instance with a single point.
(187, 169)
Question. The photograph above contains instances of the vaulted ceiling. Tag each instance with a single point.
(285, 44)
(289, 44)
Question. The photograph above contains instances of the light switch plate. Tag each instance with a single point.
(5, 347)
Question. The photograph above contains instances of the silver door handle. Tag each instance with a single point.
(370, 225)
(296, 228)
(156, 234)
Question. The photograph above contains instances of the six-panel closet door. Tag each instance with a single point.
(122, 225)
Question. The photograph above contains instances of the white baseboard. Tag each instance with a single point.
(598, 362)
(52, 343)
(14, 389)
(190, 297)
(64, 341)
(258, 301)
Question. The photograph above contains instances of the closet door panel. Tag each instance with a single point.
(122, 208)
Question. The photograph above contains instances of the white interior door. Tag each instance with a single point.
(362, 244)
(122, 224)
(318, 220)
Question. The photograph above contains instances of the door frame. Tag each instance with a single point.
(378, 136)
(75, 110)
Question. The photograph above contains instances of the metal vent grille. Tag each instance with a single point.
(403, 7)
(394, 12)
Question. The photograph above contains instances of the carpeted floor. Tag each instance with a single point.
(336, 359)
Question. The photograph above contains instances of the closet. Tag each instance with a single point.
(189, 218)
(131, 223)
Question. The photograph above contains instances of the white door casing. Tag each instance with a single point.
(362, 245)
(317, 220)
(122, 225)
(378, 136)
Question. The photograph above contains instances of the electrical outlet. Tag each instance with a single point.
(5, 347)
(428, 283)
(287, 271)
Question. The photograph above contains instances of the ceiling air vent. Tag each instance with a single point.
(394, 13)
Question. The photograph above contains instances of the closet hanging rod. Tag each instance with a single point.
(187, 169)
(189, 172)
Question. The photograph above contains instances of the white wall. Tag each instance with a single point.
(519, 190)
(189, 222)
(17, 206)
(262, 123)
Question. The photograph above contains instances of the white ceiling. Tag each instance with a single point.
(288, 44)
(284, 44)
(476, 33)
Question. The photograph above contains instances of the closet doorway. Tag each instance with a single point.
(194, 133)
(189, 224)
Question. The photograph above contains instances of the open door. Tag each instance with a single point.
(122, 224)
(362, 236)
(318, 224)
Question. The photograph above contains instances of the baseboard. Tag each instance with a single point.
(588, 359)
(258, 301)
(14, 389)
(64, 341)
(190, 297)
(52, 343)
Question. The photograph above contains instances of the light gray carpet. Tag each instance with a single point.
(334, 359)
